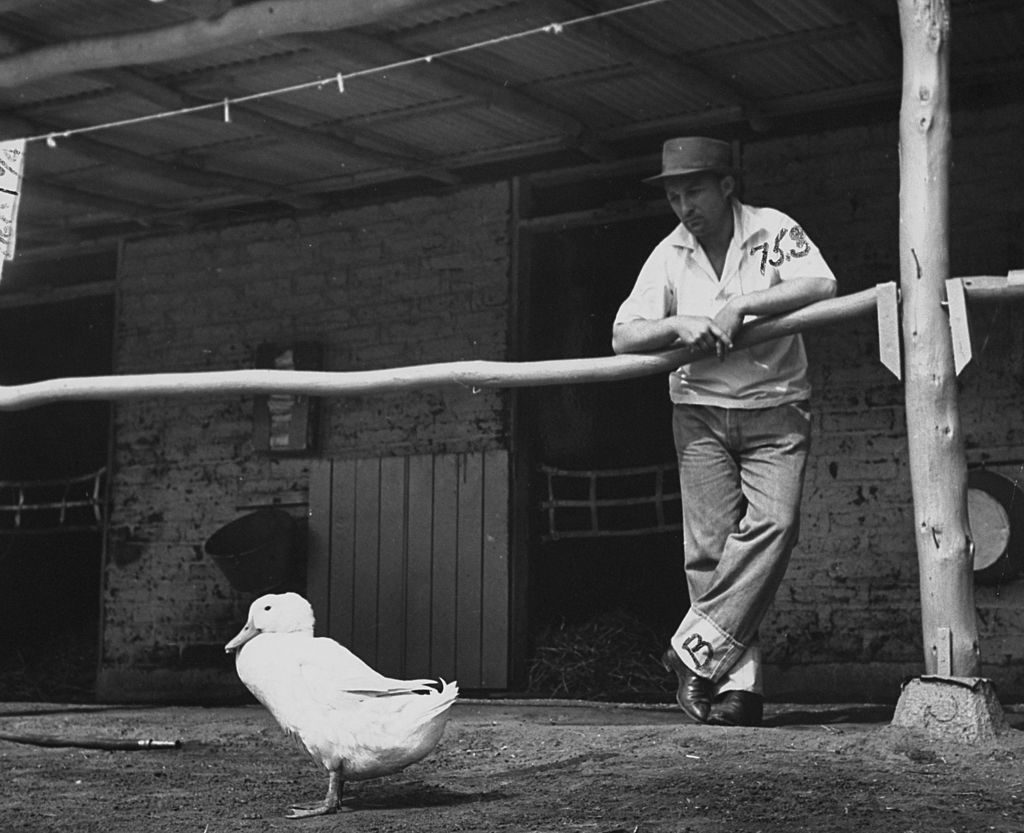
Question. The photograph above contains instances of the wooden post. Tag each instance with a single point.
(938, 469)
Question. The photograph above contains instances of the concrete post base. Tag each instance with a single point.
(951, 708)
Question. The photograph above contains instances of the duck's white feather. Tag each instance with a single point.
(350, 718)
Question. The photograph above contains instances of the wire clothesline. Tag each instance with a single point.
(339, 78)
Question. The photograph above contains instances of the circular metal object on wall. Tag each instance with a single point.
(995, 507)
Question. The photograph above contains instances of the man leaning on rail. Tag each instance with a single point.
(740, 417)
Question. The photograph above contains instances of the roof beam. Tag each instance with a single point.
(398, 155)
(181, 172)
(242, 24)
(118, 207)
(689, 72)
(373, 50)
(886, 38)
(367, 144)
(190, 175)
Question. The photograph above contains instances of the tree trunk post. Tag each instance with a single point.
(938, 469)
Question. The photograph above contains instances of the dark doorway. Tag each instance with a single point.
(577, 278)
(51, 557)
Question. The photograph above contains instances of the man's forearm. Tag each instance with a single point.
(643, 335)
(785, 296)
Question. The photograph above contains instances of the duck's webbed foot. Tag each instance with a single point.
(305, 811)
(330, 804)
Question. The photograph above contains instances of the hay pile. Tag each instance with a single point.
(614, 656)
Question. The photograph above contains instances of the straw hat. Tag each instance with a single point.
(692, 154)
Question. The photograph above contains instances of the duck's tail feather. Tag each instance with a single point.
(442, 700)
(449, 692)
(432, 688)
(379, 685)
(439, 688)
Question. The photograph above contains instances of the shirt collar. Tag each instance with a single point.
(746, 224)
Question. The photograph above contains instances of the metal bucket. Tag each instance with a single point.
(254, 552)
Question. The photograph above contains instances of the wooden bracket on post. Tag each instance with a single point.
(887, 301)
(959, 325)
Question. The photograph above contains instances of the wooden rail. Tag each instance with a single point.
(476, 374)
(469, 374)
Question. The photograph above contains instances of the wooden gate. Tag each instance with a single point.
(409, 563)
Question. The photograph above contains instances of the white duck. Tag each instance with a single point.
(352, 720)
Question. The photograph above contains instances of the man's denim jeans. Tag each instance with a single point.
(741, 473)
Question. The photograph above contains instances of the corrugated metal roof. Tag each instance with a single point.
(597, 89)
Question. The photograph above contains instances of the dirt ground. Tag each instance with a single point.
(519, 766)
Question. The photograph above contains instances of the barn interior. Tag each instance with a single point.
(147, 119)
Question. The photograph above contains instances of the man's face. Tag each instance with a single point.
(701, 201)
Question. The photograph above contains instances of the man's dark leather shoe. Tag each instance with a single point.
(737, 708)
(694, 693)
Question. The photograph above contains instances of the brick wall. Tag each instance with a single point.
(426, 280)
(847, 620)
(423, 280)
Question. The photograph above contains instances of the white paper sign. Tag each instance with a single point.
(12, 163)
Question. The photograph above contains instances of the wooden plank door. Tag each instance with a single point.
(409, 563)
